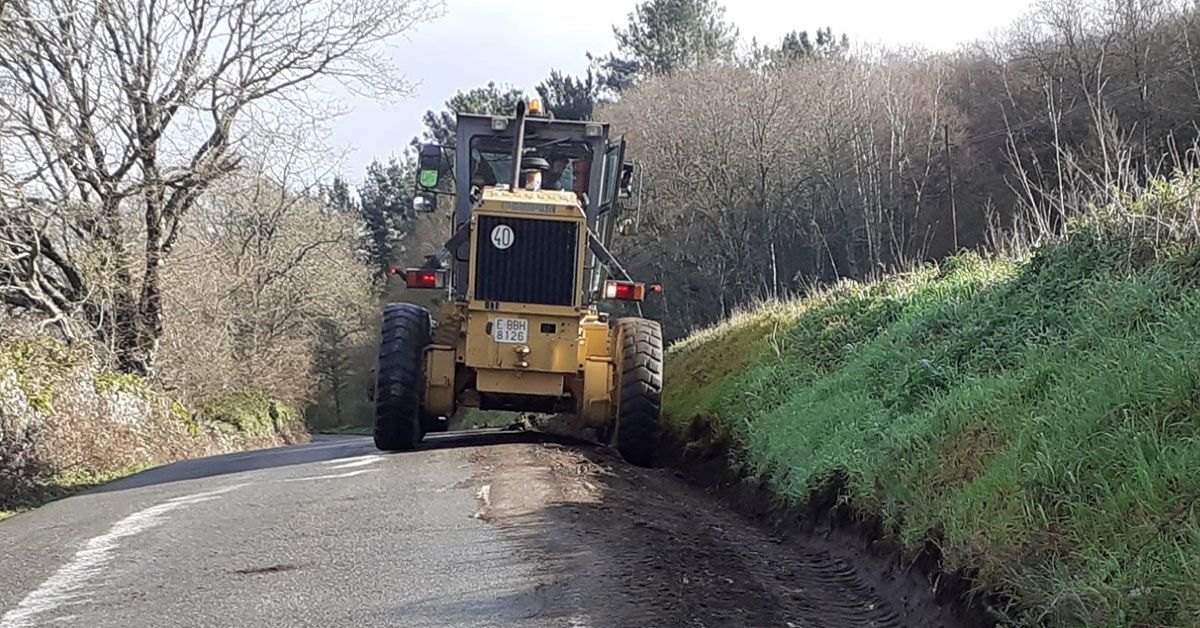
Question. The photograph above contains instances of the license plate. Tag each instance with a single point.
(510, 330)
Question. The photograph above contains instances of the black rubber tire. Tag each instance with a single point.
(639, 402)
(400, 378)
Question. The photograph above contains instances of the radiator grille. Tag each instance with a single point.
(539, 266)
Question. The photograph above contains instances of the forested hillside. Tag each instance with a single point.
(768, 173)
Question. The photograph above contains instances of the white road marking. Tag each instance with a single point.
(333, 476)
(350, 463)
(70, 581)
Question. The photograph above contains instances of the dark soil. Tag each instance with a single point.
(625, 546)
(828, 519)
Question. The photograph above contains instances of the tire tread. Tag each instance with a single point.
(399, 384)
(640, 388)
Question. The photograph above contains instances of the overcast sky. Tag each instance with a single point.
(517, 42)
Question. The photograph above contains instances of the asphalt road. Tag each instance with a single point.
(480, 529)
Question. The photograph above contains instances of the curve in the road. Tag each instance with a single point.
(478, 529)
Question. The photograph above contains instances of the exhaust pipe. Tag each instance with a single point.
(518, 147)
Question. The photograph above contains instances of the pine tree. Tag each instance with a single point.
(338, 199)
(567, 97)
(385, 206)
(663, 36)
(492, 99)
(798, 45)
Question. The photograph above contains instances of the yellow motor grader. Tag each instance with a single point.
(536, 202)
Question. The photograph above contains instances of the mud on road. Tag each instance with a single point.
(621, 546)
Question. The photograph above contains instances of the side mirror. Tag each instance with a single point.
(430, 165)
(626, 183)
(627, 227)
(424, 203)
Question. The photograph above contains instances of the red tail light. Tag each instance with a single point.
(625, 290)
(420, 278)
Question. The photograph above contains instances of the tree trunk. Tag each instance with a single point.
(137, 326)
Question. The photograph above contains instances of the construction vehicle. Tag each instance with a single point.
(536, 203)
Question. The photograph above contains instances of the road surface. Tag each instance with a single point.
(475, 529)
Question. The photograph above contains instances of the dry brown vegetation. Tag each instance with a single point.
(264, 286)
(765, 178)
(163, 226)
(66, 421)
(117, 117)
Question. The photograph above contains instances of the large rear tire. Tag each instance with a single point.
(400, 378)
(639, 392)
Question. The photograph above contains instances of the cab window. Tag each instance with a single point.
(570, 163)
(612, 170)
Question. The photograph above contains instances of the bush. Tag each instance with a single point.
(251, 412)
(66, 423)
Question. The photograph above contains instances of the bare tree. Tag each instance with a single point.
(266, 292)
(117, 115)
(821, 168)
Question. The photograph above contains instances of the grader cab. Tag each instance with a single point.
(536, 202)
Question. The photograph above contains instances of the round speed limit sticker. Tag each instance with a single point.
(502, 236)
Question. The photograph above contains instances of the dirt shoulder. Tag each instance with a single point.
(623, 546)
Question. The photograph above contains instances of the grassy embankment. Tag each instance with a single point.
(1037, 420)
(67, 425)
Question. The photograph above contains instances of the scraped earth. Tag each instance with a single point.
(620, 546)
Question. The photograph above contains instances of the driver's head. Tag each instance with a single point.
(531, 171)
(533, 180)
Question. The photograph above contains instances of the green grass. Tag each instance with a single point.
(42, 368)
(1038, 421)
(111, 383)
(252, 412)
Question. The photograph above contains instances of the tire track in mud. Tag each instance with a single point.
(623, 546)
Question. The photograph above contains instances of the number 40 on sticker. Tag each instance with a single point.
(503, 236)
